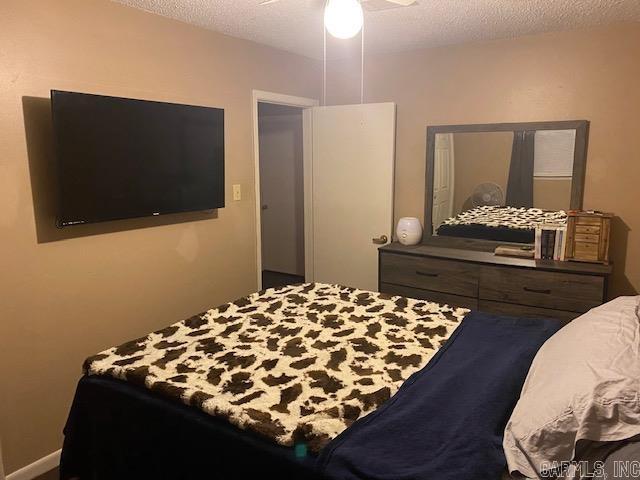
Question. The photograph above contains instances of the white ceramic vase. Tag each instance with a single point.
(409, 231)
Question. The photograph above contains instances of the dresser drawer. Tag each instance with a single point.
(511, 309)
(552, 290)
(437, 297)
(588, 230)
(427, 273)
(587, 238)
(586, 251)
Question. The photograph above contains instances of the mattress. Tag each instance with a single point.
(297, 364)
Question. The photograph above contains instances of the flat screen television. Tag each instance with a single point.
(123, 158)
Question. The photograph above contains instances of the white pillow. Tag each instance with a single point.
(584, 384)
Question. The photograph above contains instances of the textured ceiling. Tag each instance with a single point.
(296, 25)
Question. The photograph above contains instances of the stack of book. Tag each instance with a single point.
(551, 242)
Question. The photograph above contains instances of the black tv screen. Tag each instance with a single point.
(122, 158)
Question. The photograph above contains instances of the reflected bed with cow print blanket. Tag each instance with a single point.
(295, 364)
(499, 223)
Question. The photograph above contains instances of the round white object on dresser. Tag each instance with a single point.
(409, 231)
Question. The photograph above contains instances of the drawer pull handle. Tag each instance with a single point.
(426, 274)
(535, 290)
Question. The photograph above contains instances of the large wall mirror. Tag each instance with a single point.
(495, 182)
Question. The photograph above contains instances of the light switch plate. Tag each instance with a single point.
(237, 192)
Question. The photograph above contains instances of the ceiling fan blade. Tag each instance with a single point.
(380, 5)
(404, 3)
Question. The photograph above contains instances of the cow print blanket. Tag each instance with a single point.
(509, 217)
(296, 364)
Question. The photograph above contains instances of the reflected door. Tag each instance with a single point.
(443, 179)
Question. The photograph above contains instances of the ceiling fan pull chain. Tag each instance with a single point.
(324, 66)
(362, 65)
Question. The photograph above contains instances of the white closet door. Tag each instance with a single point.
(353, 151)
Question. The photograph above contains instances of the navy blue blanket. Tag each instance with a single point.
(120, 431)
(447, 420)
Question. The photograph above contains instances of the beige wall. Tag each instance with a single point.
(589, 74)
(67, 294)
(552, 193)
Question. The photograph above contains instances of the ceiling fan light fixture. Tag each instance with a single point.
(343, 18)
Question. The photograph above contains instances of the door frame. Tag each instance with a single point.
(260, 96)
(452, 176)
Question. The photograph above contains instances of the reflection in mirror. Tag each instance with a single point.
(496, 185)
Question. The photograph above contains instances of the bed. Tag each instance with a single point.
(241, 364)
(500, 223)
(305, 381)
(117, 430)
(244, 361)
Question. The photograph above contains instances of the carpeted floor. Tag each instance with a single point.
(52, 475)
(278, 279)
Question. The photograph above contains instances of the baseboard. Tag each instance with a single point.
(37, 468)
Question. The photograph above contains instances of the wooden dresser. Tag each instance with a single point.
(480, 280)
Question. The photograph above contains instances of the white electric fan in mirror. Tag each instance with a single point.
(487, 194)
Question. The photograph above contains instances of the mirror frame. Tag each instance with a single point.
(577, 179)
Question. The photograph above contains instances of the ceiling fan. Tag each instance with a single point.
(370, 5)
(344, 18)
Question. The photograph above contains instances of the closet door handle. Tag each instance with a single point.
(381, 240)
(536, 290)
(427, 274)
